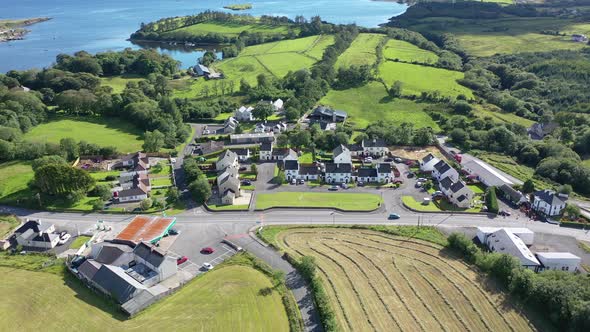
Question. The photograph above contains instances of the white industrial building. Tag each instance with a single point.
(505, 242)
(560, 261)
(525, 234)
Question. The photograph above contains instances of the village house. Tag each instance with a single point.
(244, 114)
(227, 159)
(252, 138)
(135, 190)
(277, 105)
(341, 155)
(384, 173)
(548, 202)
(442, 170)
(512, 195)
(243, 154)
(229, 125)
(210, 147)
(367, 175)
(201, 70)
(338, 173)
(228, 187)
(375, 147)
(456, 192)
(538, 131)
(261, 128)
(485, 174)
(291, 168)
(36, 234)
(265, 151)
(309, 172)
(427, 163)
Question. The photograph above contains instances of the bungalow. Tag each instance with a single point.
(244, 114)
(374, 147)
(227, 159)
(538, 131)
(137, 162)
(338, 173)
(291, 169)
(341, 155)
(427, 163)
(36, 234)
(367, 174)
(442, 170)
(548, 202)
(210, 147)
(252, 138)
(486, 174)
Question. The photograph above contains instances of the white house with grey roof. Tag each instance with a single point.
(244, 114)
(36, 234)
(384, 173)
(427, 163)
(442, 170)
(227, 159)
(458, 193)
(291, 168)
(548, 202)
(338, 173)
(341, 155)
(505, 242)
(374, 147)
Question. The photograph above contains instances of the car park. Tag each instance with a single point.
(207, 250)
(181, 260)
(333, 188)
(207, 266)
(393, 216)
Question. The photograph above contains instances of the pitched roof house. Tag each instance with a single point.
(324, 114)
(374, 147)
(338, 173)
(244, 113)
(442, 169)
(427, 163)
(548, 202)
(506, 242)
(456, 192)
(227, 159)
(341, 155)
(36, 234)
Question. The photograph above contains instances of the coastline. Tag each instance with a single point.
(14, 29)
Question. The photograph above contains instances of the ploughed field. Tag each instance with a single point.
(379, 282)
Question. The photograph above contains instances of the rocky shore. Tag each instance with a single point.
(14, 29)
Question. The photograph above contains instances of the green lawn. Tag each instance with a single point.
(163, 168)
(79, 241)
(118, 83)
(486, 37)
(418, 78)
(101, 176)
(227, 298)
(404, 51)
(101, 131)
(272, 59)
(161, 182)
(228, 207)
(371, 103)
(7, 224)
(441, 206)
(306, 158)
(361, 51)
(225, 28)
(343, 201)
(14, 177)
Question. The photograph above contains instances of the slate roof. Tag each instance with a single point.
(549, 197)
(132, 192)
(446, 183)
(211, 146)
(110, 252)
(384, 168)
(45, 237)
(367, 172)
(340, 149)
(309, 170)
(291, 165)
(442, 167)
(117, 283)
(150, 254)
(35, 226)
(338, 168)
(374, 143)
(455, 187)
(241, 151)
(515, 195)
(89, 268)
(266, 146)
(322, 111)
(428, 158)
(461, 198)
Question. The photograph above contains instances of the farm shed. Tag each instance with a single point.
(486, 174)
(505, 242)
(561, 261)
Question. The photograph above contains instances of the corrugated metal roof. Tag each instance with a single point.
(145, 228)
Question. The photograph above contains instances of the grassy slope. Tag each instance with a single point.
(364, 202)
(361, 51)
(418, 78)
(118, 83)
(221, 300)
(102, 131)
(479, 37)
(275, 59)
(404, 51)
(7, 224)
(497, 114)
(227, 28)
(14, 177)
(370, 103)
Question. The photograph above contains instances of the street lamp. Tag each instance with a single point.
(333, 214)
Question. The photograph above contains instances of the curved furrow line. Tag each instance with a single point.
(404, 239)
(354, 289)
(445, 275)
(327, 277)
(394, 289)
(391, 315)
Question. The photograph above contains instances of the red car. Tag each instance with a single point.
(181, 260)
(207, 250)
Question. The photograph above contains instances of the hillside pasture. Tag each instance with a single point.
(362, 51)
(404, 51)
(118, 83)
(101, 131)
(273, 59)
(227, 298)
(231, 29)
(370, 103)
(379, 282)
(418, 79)
(14, 179)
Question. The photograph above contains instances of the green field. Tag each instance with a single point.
(507, 35)
(225, 28)
(101, 131)
(371, 103)
(7, 224)
(404, 51)
(418, 78)
(272, 59)
(225, 299)
(358, 202)
(361, 51)
(14, 175)
(161, 182)
(496, 113)
(118, 83)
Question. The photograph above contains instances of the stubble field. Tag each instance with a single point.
(380, 282)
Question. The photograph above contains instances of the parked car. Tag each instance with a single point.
(421, 179)
(393, 216)
(181, 260)
(246, 183)
(418, 184)
(360, 184)
(398, 160)
(411, 175)
(368, 160)
(301, 181)
(437, 193)
(344, 186)
(243, 168)
(64, 239)
(207, 266)
(207, 250)
(173, 231)
(504, 213)
(333, 188)
(388, 160)
(293, 181)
